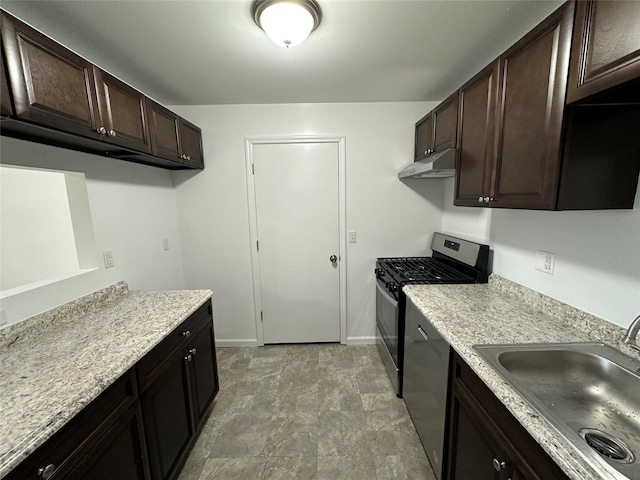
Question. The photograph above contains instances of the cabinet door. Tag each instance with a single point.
(474, 446)
(5, 97)
(163, 129)
(606, 47)
(445, 124)
(123, 112)
(120, 454)
(533, 80)
(51, 85)
(204, 371)
(485, 441)
(424, 136)
(476, 136)
(191, 144)
(167, 417)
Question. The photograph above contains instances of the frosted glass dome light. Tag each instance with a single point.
(287, 22)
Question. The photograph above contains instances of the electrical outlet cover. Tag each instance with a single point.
(545, 262)
(107, 255)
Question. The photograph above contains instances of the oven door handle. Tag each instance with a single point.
(386, 296)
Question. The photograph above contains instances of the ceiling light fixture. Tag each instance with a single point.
(287, 22)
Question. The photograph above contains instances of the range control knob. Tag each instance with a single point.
(393, 287)
(379, 272)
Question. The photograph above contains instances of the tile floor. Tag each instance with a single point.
(316, 412)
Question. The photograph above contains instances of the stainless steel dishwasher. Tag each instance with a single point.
(426, 371)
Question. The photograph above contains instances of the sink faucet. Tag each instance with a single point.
(631, 338)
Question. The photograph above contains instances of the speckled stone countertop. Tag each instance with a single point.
(505, 312)
(54, 364)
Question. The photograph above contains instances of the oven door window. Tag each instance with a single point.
(387, 320)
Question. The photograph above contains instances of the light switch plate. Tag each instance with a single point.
(352, 236)
(165, 243)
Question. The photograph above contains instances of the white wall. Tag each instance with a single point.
(132, 206)
(597, 252)
(34, 201)
(392, 218)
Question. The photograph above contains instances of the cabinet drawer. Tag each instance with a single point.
(151, 364)
(70, 443)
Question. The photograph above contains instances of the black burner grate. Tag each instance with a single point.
(417, 270)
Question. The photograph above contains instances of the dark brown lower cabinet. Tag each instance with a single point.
(204, 371)
(127, 435)
(485, 441)
(109, 422)
(118, 454)
(167, 417)
(177, 394)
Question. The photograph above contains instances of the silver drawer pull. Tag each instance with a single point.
(423, 333)
(186, 333)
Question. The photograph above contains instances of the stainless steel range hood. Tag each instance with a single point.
(436, 165)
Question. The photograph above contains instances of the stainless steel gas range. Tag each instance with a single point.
(453, 261)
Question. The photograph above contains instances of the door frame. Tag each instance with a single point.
(340, 141)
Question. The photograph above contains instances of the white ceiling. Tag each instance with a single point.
(211, 52)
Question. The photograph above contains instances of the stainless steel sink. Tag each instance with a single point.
(590, 392)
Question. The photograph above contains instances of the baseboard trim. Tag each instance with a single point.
(236, 342)
(361, 340)
(251, 342)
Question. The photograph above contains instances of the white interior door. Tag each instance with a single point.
(297, 216)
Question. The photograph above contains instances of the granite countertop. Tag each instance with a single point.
(504, 312)
(97, 338)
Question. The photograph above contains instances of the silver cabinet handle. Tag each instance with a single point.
(112, 133)
(46, 472)
(193, 351)
(333, 259)
(486, 199)
(188, 358)
(102, 131)
(423, 333)
(188, 157)
(480, 199)
(498, 465)
(186, 333)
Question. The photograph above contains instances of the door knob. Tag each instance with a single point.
(333, 258)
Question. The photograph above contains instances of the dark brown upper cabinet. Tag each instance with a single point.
(445, 124)
(123, 112)
(50, 84)
(163, 125)
(511, 120)
(437, 130)
(424, 136)
(173, 137)
(606, 47)
(61, 99)
(190, 144)
(533, 76)
(478, 103)
(547, 155)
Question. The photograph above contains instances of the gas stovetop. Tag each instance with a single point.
(419, 270)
